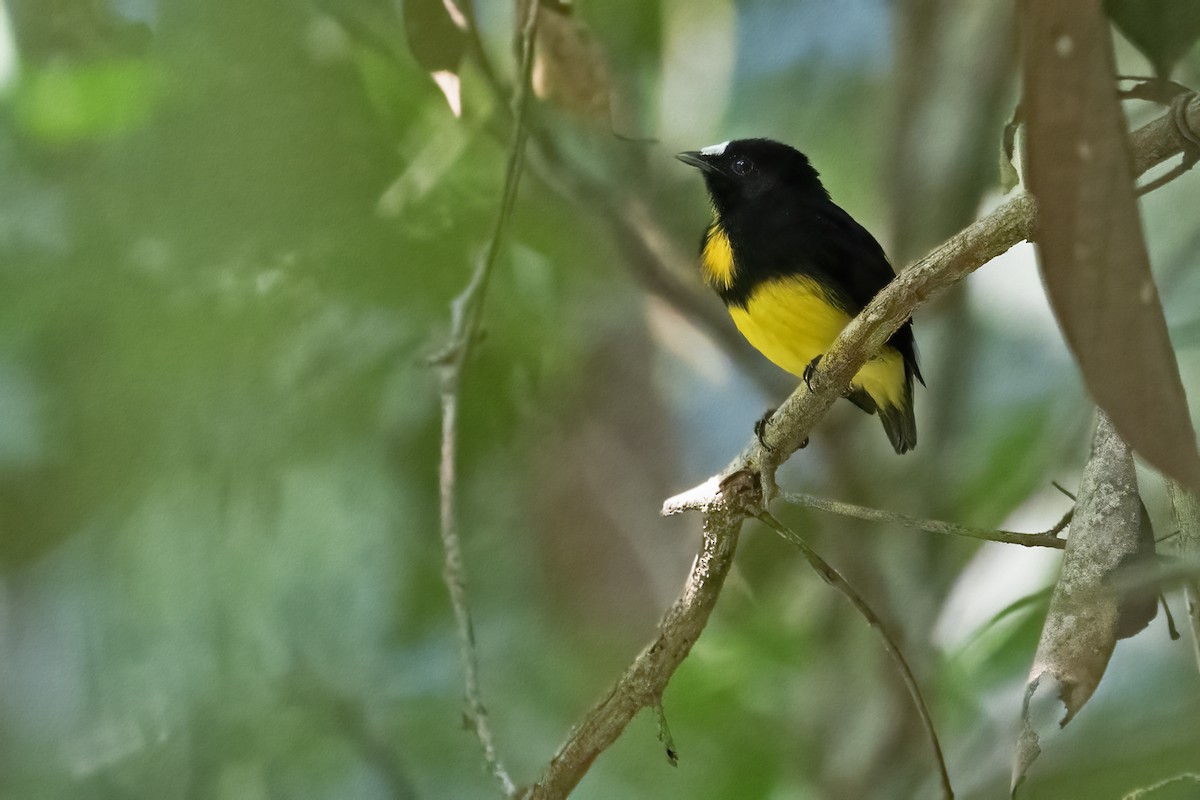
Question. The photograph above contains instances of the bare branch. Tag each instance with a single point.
(643, 683)
(1138, 794)
(839, 582)
(1047, 539)
(466, 317)
(959, 256)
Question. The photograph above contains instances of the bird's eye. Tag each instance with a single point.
(742, 166)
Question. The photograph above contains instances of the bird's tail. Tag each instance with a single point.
(896, 413)
(899, 422)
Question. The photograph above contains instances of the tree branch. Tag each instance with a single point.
(466, 316)
(1046, 539)
(1138, 794)
(646, 678)
(643, 683)
(839, 582)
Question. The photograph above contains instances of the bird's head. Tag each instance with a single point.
(747, 169)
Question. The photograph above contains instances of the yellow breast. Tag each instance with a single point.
(791, 321)
(716, 260)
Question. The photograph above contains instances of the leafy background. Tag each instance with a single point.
(229, 234)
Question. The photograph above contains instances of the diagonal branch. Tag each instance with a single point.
(1048, 538)
(466, 317)
(839, 582)
(643, 683)
(647, 677)
(959, 256)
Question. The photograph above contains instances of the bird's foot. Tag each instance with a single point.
(760, 428)
(811, 370)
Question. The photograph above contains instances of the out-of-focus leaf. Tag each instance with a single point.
(70, 103)
(1082, 626)
(434, 147)
(1009, 175)
(1090, 243)
(1035, 604)
(998, 650)
(570, 68)
(373, 24)
(1008, 468)
(436, 33)
(1163, 30)
(1001, 647)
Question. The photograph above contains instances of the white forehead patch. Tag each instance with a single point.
(714, 149)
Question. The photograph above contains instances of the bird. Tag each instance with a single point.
(793, 268)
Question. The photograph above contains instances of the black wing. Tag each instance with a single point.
(855, 263)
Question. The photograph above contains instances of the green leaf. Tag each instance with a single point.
(70, 103)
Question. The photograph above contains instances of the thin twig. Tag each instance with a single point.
(1046, 539)
(643, 682)
(1063, 490)
(1162, 180)
(839, 582)
(1138, 794)
(466, 317)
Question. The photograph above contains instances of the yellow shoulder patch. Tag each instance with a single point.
(716, 261)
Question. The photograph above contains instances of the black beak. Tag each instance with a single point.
(697, 159)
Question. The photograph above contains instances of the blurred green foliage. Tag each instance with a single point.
(229, 234)
(62, 105)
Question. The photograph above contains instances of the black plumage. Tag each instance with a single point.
(781, 224)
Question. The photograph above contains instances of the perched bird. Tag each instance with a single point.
(793, 269)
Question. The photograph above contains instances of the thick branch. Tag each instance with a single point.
(959, 256)
(645, 679)
(1160, 138)
(643, 683)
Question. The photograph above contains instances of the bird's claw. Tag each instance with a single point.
(809, 371)
(760, 428)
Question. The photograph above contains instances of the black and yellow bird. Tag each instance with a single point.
(793, 269)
